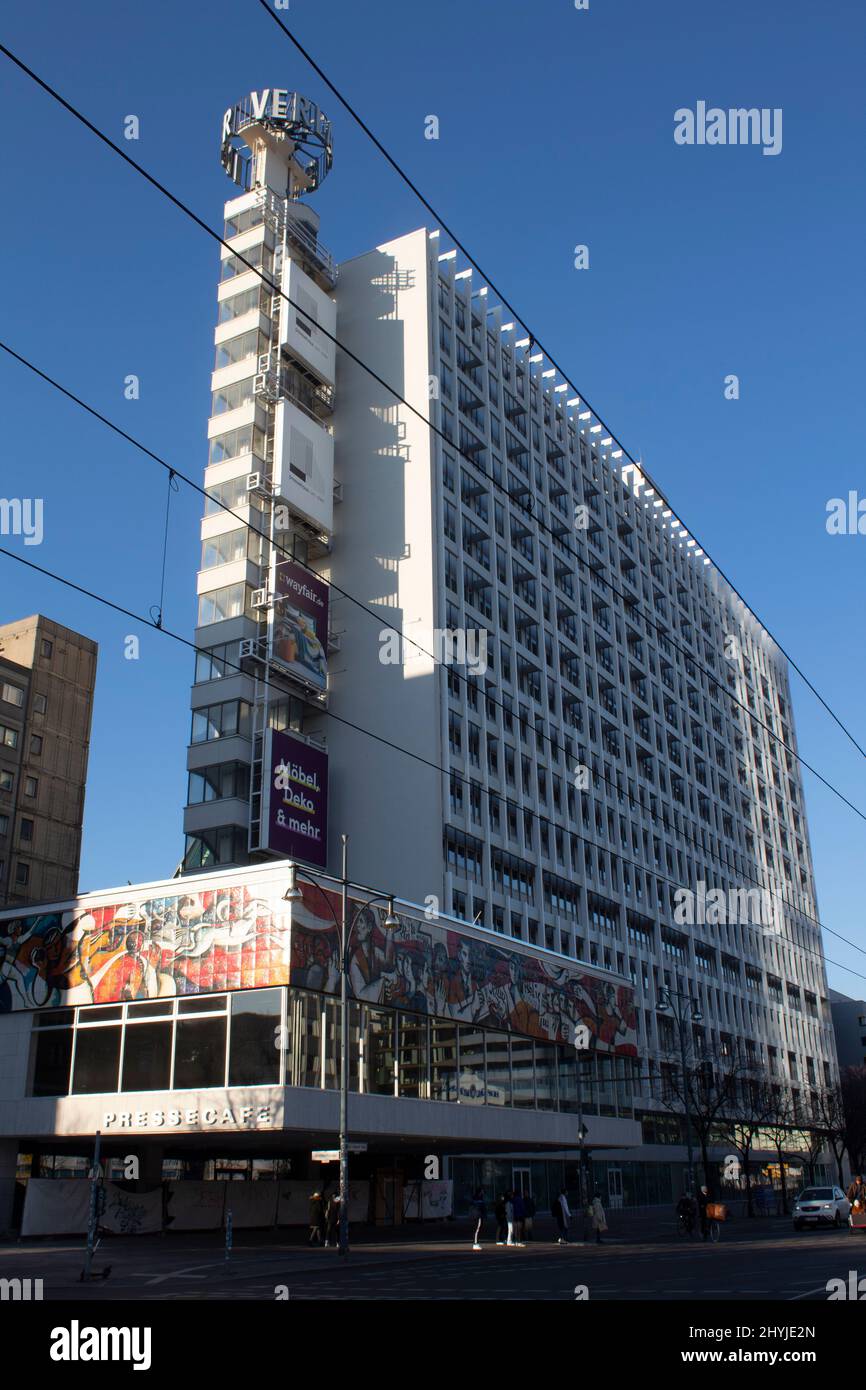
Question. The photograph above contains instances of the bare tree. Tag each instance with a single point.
(709, 1091)
(745, 1121)
(828, 1112)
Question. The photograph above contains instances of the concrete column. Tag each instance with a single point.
(8, 1165)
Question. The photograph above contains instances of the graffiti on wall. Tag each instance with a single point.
(190, 943)
(433, 970)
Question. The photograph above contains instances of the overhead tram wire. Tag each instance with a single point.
(344, 102)
(395, 747)
(634, 803)
(712, 678)
(371, 373)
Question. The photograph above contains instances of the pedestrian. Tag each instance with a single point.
(596, 1215)
(509, 1217)
(703, 1202)
(332, 1220)
(857, 1194)
(529, 1215)
(519, 1215)
(501, 1219)
(317, 1219)
(479, 1212)
(562, 1215)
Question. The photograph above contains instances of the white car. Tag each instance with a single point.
(816, 1206)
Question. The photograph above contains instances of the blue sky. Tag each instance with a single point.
(556, 128)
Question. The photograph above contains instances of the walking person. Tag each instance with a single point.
(479, 1212)
(703, 1202)
(562, 1214)
(528, 1216)
(332, 1220)
(597, 1218)
(509, 1217)
(519, 1205)
(501, 1215)
(317, 1219)
(856, 1193)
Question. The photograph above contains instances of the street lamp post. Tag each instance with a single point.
(581, 1044)
(344, 928)
(685, 1011)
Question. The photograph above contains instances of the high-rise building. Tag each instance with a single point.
(47, 675)
(556, 720)
(849, 1026)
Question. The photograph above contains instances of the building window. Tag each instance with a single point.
(36, 745)
(46, 648)
(97, 1060)
(7, 780)
(8, 737)
(31, 786)
(4, 824)
(254, 1058)
(25, 830)
(22, 874)
(12, 694)
(147, 1057)
(40, 704)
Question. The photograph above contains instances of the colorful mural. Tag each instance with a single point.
(191, 943)
(433, 970)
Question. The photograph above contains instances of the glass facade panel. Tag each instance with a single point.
(97, 1057)
(414, 1069)
(51, 1069)
(498, 1070)
(199, 1053)
(333, 1044)
(254, 1058)
(380, 1053)
(307, 1011)
(472, 1067)
(545, 1076)
(443, 1060)
(522, 1073)
(147, 1057)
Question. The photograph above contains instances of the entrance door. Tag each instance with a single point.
(521, 1180)
(614, 1188)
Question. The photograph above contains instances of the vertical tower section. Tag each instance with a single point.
(261, 675)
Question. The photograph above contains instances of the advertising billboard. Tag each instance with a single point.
(295, 809)
(299, 630)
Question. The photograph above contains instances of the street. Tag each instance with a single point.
(763, 1260)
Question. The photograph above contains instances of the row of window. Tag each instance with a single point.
(292, 1037)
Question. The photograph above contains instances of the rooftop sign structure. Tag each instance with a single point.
(283, 121)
